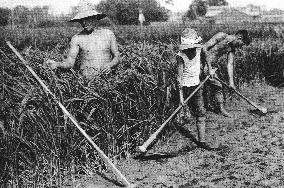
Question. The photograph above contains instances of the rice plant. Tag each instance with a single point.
(39, 145)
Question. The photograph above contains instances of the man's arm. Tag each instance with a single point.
(69, 62)
(214, 40)
(114, 50)
(205, 59)
(217, 38)
(179, 77)
(230, 69)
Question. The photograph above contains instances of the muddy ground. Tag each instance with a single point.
(251, 150)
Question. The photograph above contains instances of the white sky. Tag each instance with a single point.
(64, 5)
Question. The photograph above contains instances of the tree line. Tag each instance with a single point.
(23, 15)
(122, 12)
(199, 7)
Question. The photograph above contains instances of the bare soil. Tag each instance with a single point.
(251, 150)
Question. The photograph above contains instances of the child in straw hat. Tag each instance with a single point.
(189, 70)
(97, 45)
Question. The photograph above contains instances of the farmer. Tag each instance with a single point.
(222, 44)
(98, 46)
(189, 70)
(141, 17)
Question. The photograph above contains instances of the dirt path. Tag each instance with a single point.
(252, 154)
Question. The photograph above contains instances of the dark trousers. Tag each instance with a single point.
(213, 94)
(196, 103)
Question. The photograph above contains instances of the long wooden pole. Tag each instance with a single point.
(65, 111)
(260, 108)
(143, 148)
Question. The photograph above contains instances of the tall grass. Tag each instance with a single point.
(40, 147)
(118, 111)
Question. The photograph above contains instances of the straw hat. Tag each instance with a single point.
(85, 10)
(189, 39)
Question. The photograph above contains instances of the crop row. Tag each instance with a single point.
(39, 145)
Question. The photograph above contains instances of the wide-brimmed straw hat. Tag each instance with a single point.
(189, 39)
(86, 10)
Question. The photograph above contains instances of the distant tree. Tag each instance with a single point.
(217, 2)
(153, 11)
(21, 14)
(39, 14)
(4, 16)
(126, 11)
(196, 9)
(169, 2)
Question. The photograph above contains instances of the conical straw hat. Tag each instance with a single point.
(190, 39)
(85, 10)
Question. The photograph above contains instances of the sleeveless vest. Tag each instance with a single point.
(191, 69)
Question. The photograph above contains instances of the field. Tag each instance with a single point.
(40, 147)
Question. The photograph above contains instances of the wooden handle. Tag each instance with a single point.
(101, 153)
(260, 108)
(144, 147)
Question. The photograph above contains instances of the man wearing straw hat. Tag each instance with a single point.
(97, 45)
(189, 71)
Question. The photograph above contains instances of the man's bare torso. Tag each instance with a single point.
(217, 46)
(95, 49)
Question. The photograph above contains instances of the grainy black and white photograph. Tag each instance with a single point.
(141, 93)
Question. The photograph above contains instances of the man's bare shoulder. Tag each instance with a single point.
(78, 38)
(231, 38)
(220, 36)
(217, 38)
(75, 39)
(107, 32)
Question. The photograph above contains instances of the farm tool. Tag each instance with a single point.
(144, 147)
(260, 108)
(101, 153)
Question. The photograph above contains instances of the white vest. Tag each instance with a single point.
(141, 18)
(191, 70)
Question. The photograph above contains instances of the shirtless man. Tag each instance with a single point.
(98, 46)
(220, 44)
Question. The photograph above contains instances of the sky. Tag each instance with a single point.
(63, 6)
